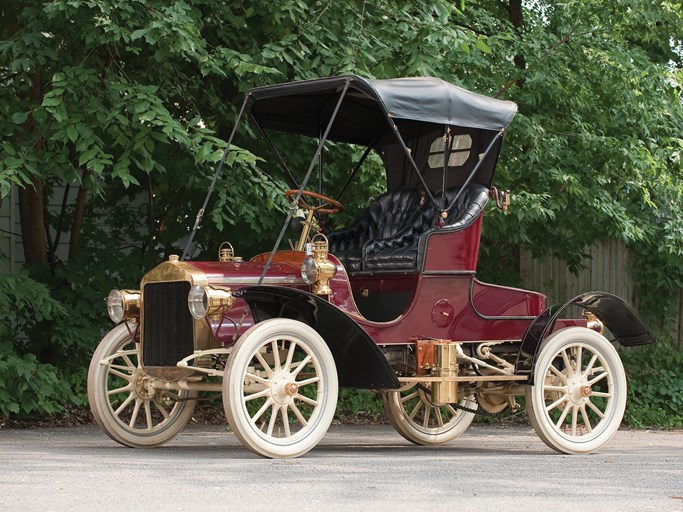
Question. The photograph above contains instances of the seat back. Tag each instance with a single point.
(387, 215)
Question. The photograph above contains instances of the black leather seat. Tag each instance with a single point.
(403, 250)
(391, 234)
(385, 217)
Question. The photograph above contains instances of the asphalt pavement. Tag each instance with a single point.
(353, 468)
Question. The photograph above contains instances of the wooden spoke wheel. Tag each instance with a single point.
(579, 394)
(280, 388)
(417, 419)
(123, 406)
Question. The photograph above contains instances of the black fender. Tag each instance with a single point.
(360, 363)
(619, 317)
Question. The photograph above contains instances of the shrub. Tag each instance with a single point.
(655, 379)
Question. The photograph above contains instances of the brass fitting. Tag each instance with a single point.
(446, 366)
(226, 253)
(317, 269)
(593, 322)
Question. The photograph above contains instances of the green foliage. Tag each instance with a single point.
(133, 103)
(27, 386)
(655, 395)
(359, 406)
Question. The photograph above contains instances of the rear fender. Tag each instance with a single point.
(620, 318)
(360, 363)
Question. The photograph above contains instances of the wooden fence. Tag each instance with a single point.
(608, 269)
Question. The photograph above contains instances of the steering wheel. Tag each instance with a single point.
(334, 205)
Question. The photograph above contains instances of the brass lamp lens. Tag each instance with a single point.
(198, 301)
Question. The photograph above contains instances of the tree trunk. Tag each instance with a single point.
(517, 20)
(31, 198)
(32, 225)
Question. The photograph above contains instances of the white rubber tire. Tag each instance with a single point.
(258, 390)
(578, 398)
(419, 421)
(117, 400)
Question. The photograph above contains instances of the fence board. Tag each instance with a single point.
(608, 269)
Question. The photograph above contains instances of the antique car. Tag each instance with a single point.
(389, 302)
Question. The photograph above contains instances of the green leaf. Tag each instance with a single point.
(19, 117)
(72, 133)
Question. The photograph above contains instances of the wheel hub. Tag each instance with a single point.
(283, 389)
(579, 391)
(140, 382)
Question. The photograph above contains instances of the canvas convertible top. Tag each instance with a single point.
(306, 106)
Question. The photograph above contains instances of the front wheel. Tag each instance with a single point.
(121, 403)
(579, 394)
(417, 419)
(280, 388)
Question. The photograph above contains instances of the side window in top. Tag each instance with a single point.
(460, 151)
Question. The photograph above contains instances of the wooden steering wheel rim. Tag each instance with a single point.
(309, 193)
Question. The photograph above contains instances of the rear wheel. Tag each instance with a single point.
(579, 394)
(121, 403)
(280, 388)
(418, 420)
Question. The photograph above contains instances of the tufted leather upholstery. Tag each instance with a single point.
(391, 233)
(387, 215)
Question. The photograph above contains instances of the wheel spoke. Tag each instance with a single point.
(586, 421)
(125, 404)
(452, 409)
(258, 394)
(579, 358)
(590, 364)
(601, 394)
(263, 409)
(595, 409)
(425, 420)
(285, 421)
(556, 403)
(558, 373)
(439, 418)
(575, 411)
(306, 382)
(562, 389)
(122, 367)
(162, 410)
(307, 400)
(127, 387)
(136, 411)
(563, 416)
(415, 410)
(567, 362)
(124, 376)
(301, 366)
(297, 413)
(129, 362)
(256, 378)
(597, 379)
(274, 410)
(276, 355)
(410, 396)
(290, 355)
(148, 415)
(264, 364)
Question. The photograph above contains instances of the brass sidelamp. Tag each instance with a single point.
(316, 269)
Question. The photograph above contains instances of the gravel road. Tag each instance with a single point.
(354, 468)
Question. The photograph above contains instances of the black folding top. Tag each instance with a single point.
(306, 106)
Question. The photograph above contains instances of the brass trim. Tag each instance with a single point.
(173, 271)
(226, 281)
